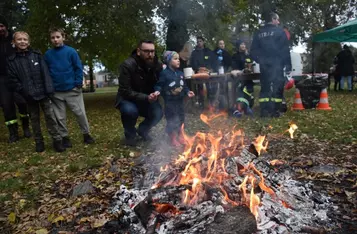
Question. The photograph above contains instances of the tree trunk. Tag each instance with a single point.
(177, 33)
(91, 77)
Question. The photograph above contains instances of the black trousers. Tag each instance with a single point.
(272, 89)
(50, 119)
(8, 100)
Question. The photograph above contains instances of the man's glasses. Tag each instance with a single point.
(147, 51)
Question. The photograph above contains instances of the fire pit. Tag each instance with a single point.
(221, 183)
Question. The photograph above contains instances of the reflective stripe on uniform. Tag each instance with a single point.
(276, 99)
(243, 100)
(245, 90)
(264, 100)
(11, 122)
(23, 116)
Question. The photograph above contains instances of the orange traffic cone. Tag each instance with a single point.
(323, 103)
(297, 101)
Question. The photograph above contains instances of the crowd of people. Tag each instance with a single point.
(53, 81)
(35, 82)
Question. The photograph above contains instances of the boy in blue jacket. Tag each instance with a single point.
(172, 87)
(66, 71)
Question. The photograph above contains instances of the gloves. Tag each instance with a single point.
(237, 114)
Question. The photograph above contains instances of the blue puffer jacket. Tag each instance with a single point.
(171, 85)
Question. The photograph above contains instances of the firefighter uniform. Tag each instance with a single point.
(270, 48)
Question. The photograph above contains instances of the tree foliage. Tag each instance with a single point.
(106, 31)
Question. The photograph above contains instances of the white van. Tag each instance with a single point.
(296, 63)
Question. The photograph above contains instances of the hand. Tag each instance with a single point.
(152, 97)
(79, 86)
(157, 93)
(236, 72)
(190, 94)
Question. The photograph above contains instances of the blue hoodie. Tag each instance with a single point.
(65, 68)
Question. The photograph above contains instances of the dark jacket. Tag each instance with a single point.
(29, 75)
(239, 60)
(169, 81)
(224, 58)
(203, 58)
(345, 61)
(270, 46)
(136, 79)
(6, 50)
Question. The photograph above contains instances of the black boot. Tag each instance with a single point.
(26, 127)
(58, 147)
(40, 147)
(87, 139)
(13, 132)
(66, 142)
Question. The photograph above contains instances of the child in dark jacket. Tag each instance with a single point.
(172, 87)
(245, 100)
(29, 76)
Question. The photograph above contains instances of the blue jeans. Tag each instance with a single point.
(130, 112)
(349, 82)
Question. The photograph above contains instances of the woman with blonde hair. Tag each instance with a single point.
(185, 55)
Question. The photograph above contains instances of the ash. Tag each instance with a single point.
(294, 206)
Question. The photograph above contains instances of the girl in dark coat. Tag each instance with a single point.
(29, 76)
(345, 61)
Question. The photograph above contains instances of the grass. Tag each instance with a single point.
(24, 173)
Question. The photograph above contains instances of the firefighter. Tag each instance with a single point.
(7, 97)
(270, 48)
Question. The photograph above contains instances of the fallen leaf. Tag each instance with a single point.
(11, 217)
(59, 218)
(42, 231)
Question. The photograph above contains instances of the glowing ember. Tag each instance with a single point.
(164, 208)
(277, 162)
(259, 144)
(292, 129)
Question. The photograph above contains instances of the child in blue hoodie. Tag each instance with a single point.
(66, 71)
(172, 87)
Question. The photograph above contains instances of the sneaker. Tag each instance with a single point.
(66, 142)
(145, 136)
(237, 114)
(40, 147)
(58, 147)
(87, 139)
(130, 142)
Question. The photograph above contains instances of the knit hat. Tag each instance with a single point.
(238, 43)
(168, 55)
(4, 21)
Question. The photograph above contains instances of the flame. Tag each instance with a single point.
(258, 144)
(207, 119)
(254, 201)
(202, 165)
(292, 129)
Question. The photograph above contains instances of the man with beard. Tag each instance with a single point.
(136, 95)
(270, 48)
(8, 98)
